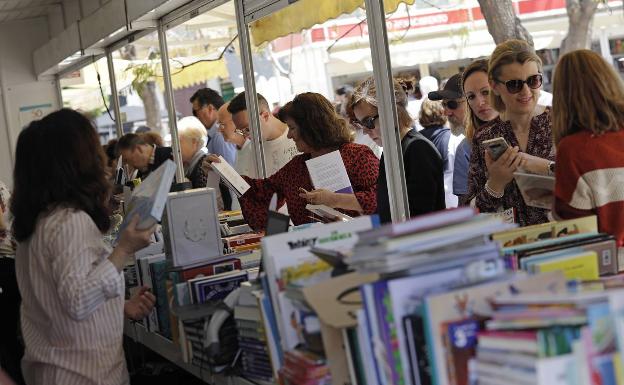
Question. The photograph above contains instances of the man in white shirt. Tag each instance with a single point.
(278, 148)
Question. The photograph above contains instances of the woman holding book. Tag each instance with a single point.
(71, 283)
(515, 81)
(588, 126)
(477, 92)
(317, 130)
(422, 162)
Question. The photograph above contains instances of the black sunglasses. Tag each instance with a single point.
(515, 86)
(369, 122)
(451, 104)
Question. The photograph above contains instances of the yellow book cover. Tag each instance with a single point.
(530, 234)
(583, 266)
(619, 370)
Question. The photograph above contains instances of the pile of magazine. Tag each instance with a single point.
(454, 237)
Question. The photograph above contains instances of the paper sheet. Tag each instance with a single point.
(230, 176)
(328, 172)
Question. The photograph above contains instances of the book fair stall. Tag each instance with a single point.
(454, 297)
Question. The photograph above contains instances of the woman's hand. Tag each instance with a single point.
(131, 240)
(534, 164)
(500, 171)
(318, 197)
(140, 304)
(208, 161)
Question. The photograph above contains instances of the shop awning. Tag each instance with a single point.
(304, 14)
(195, 74)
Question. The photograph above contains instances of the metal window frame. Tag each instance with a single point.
(169, 101)
(251, 97)
(382, 72)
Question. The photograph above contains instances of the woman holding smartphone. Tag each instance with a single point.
(515, 80)
(479, 113)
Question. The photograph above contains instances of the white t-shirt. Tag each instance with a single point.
(450, 198)
(277, 153)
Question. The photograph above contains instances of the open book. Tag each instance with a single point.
(326, 214)
(537, 190)
(230, 177)
(328, 172)
(149, 198)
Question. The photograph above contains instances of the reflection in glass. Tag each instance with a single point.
(81, 91)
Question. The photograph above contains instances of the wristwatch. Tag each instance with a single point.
(551, 168)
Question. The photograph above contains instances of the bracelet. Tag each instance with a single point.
(493, 193)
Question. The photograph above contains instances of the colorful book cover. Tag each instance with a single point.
(159, 287)
(476, 301)
(549, 230)
(460, 338)
(291, 249)
(582, 266)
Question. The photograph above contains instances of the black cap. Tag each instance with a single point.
(452, 89)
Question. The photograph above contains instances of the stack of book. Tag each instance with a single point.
(242, 242)
(180, 278)
(252, 341)
(574, 246)
(304, 368)
(552, 340)
(427, 241)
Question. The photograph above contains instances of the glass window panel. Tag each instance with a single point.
(138, 72)
(81, 91)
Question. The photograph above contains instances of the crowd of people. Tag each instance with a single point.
(71, 281)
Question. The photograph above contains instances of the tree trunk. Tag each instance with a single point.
(580, 17)
(147, 93)
(502, 22)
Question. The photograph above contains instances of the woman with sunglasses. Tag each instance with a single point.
(316, 129)
(476, 88)
(588, 126)
(515, 80)
(422, 162)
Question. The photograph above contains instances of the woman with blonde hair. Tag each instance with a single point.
(515, 79)
(422, 162)
(479, 112)
(588, 122)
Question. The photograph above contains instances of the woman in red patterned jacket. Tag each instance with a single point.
(316, 130)
(588, 122)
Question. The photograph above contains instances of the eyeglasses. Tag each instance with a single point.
(516, 85)
(368, 122)
(451, 104)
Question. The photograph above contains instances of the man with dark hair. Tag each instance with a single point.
(206, 102)
(136, 152)
(454, 103)
(278, 148)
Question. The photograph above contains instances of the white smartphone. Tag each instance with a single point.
(496, 147)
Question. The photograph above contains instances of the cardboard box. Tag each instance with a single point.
(337, 314)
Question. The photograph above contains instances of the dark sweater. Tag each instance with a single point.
(161, 154)
(423, 175)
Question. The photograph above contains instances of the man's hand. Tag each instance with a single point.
(140, 304)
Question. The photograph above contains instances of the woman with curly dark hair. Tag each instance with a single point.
(71, 283)
(316, 129)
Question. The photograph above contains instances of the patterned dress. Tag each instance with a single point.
(540, 144)
(362, 168)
